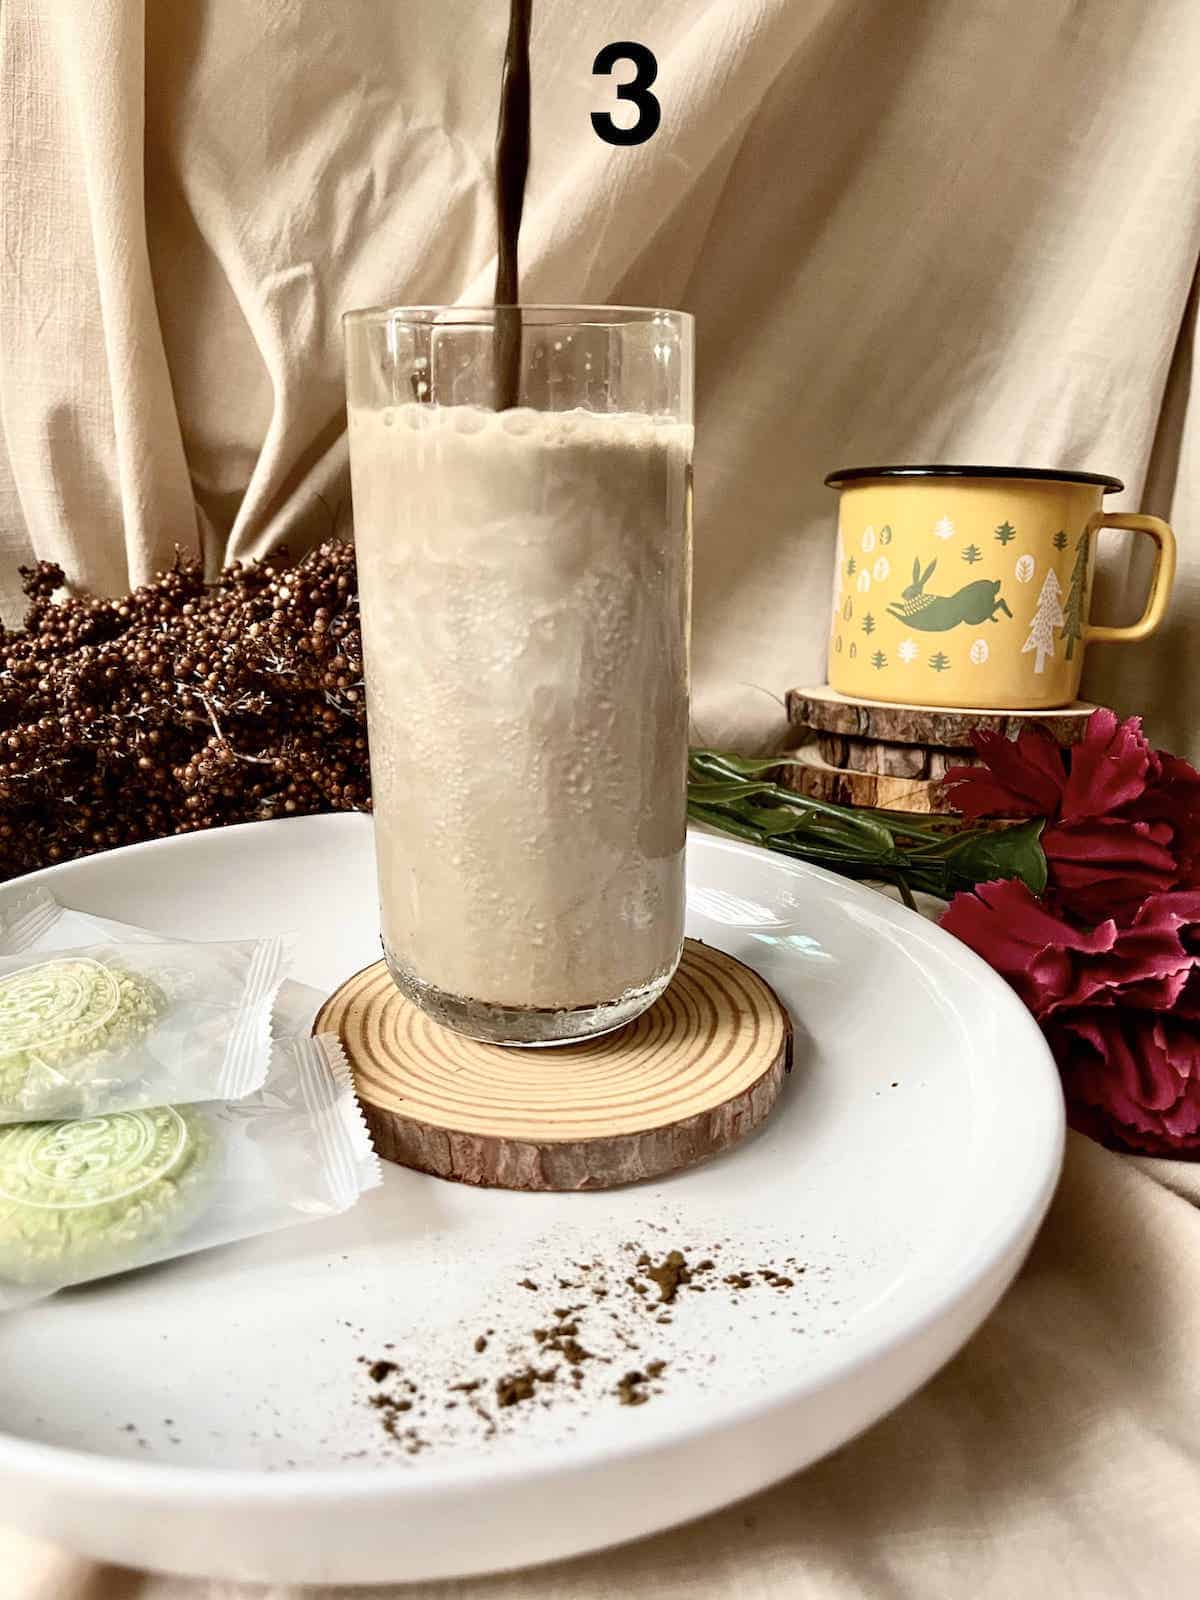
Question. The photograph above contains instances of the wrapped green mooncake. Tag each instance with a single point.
(98, 1017)
(82, 1199)
(68, 1022)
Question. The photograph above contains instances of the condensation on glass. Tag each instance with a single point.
(525, 580)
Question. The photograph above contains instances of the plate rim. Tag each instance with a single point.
(178, 1484)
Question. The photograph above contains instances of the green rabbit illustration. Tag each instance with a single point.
(937, 613)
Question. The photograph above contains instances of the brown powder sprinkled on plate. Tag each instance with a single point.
(619, 1316)
(669, 1275)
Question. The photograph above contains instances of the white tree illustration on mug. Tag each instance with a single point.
(1047, 617)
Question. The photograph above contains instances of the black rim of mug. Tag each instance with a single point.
(844, 475)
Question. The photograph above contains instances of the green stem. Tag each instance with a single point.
(934, 855)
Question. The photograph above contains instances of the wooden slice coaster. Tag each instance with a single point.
(845, 786)
(684, 1081)
(826, 711)
(917, 762)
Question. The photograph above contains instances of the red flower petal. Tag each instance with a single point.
(1132, 1080)
(1148, 966)
(1180, 909)
(1106, 866)
(1027, 944)
(1019, 778)
(1172, 798)
(1109, 767)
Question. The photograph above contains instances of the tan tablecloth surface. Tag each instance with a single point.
(1057, 1457)
(908, 231)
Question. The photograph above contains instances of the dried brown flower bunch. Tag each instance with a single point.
(183, 706)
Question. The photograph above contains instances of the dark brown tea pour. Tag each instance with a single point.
(512, 168)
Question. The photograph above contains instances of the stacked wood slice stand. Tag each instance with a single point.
(895, 757)
(689, 1078)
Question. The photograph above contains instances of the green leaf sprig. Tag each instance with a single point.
(930, 855)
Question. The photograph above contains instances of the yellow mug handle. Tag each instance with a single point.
(1160, 582)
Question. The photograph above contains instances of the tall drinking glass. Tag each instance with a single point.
(525, 580)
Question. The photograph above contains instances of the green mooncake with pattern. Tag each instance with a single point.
(79, 1200)
(64, 1027)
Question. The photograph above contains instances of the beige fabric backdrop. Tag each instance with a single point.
(907, 231)
(922, 230)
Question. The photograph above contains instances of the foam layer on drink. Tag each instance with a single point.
(525, 584)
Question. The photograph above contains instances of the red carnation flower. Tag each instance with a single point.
(1037, 951)
(1104, 867)
(1132, 1080)
(1120, 1006)
(1122, 820)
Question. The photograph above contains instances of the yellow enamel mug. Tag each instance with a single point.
(972, 586)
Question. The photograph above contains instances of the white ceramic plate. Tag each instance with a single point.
(212, 1416)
